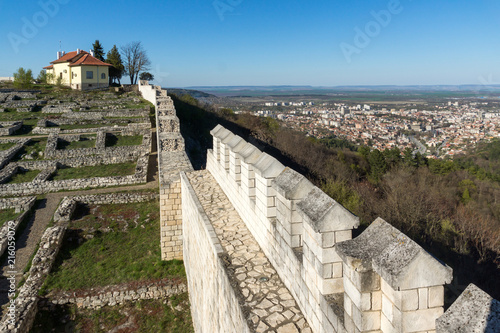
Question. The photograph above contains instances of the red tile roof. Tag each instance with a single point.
(49, 67)
(67, 57)
(87, 59)
(84, 58)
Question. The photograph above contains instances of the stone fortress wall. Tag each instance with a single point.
(172, 159)
(381, 281)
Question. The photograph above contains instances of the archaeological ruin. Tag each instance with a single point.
(264, 250)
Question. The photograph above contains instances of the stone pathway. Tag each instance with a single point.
(268, 303)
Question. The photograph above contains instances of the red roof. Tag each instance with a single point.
(49, 67)
(67, 57)
(84, 58)
(87, 59)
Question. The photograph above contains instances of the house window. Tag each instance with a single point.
(90, 75)
(103, 76)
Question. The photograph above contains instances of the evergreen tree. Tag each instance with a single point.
(378, 165)
(23, 78)
(42, 77)
(392, 156)
(98, 50)
(114, 58)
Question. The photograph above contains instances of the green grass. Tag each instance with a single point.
(113, 257)
(121, 169)
(119, 141)
(141, 105)
(5, 146)
(85, 126)
(23, 177)
(7, 215)
(34, 148)
(86, 141)
(149, 316)
(114, 217)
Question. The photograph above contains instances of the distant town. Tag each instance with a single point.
(437, 130)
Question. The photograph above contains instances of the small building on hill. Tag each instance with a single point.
(79, 70)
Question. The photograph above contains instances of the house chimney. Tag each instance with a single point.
(92, 52)
(59, 55)
(77, 51)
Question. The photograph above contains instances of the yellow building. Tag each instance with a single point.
(79, 70)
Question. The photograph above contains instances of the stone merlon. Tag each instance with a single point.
(401, 262)
(292, 185)
(268, 167)
(250, 154)
(324, 214)
(216, 129)
(473, 311)
(221, 133)
(236, 144)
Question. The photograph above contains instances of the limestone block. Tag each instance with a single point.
(377, 300)
(387, 308)
(436, 296)
(343, 235)
(421, 320)
(337, 271)
(409, 300)
(353, 293)
(330, 286)
(423, 296)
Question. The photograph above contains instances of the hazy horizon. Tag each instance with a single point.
(262, 43)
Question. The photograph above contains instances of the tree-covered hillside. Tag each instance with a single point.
(452, 208)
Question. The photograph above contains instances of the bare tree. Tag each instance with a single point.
(135, 60)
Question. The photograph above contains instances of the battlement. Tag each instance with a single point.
(381, 281)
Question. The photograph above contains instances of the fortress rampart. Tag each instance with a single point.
(381, 281)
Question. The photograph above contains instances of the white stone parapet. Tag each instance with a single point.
(381, 281)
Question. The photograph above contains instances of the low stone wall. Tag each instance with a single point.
(139, 177)
(7, 172)
(211, 295)
(101, 114)
(51, 123)
(130, 129)
(75, 162)
(19, 204)
(7, 155)
(97, 298)
(44, 175)
(22, 311)
(9, 128)
(68, 204)
(59, 108)
(51, 151)
(9, 228)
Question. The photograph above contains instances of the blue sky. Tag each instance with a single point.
(262, 42)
